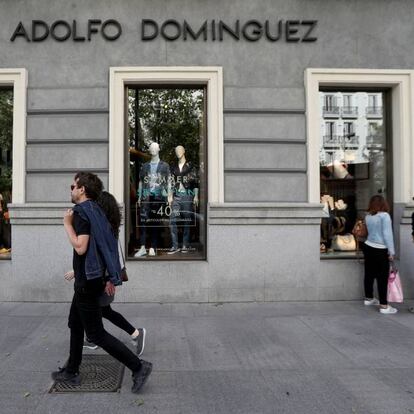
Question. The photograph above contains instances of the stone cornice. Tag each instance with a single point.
(218, 213)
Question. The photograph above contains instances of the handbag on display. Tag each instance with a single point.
(394, 293)
(344, 243)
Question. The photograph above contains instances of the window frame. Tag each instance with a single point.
(127, 204)
(17, 80)
(401, 83)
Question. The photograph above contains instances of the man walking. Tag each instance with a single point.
(95, 250)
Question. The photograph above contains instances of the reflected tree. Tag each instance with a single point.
(170, 117)
(6, 141)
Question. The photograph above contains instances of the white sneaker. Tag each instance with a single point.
(151, 252)
(369, 302)
(388, 310)
(141, 252)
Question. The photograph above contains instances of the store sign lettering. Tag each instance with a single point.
(292, 31)
(252, 30)
(62, 30)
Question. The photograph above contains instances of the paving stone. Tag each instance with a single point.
(253, 358)
(370, 340)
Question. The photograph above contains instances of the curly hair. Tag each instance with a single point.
(111, 209)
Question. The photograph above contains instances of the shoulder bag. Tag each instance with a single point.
(124, 275)
(394, 293)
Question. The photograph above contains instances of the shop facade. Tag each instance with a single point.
(239, 148)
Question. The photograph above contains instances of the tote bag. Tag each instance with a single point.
(395, 293)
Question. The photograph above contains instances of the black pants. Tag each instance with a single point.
(86, 316)
(117, 319)
(376, 267)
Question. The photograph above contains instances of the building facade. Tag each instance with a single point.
(289, 115)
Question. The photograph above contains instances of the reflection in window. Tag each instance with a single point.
(353, 167)
(6, 148)
(167, 181)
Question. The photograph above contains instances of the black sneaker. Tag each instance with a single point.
(139, 341)
(89, 345)
(173, 250)
(68, 377)
(139, 378)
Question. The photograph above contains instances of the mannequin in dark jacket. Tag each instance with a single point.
(182, 198)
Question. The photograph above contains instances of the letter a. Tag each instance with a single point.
(20, 31)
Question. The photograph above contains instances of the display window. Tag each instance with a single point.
(6, 169)
(355, 164)
(167, 184)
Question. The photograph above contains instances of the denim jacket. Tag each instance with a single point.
(102, 253)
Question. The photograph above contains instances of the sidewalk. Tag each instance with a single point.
(298, 358)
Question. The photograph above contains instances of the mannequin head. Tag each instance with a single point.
(179, 151)
(154, 149)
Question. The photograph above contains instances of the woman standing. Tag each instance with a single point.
(379, 251)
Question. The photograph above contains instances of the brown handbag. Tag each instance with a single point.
(360, 230)
(124, 274)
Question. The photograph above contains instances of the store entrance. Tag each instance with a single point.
(355, 161)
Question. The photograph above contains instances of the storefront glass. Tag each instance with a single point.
(166, 201)
(354, 161)
(6, 149)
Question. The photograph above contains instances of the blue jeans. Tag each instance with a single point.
(182, 212)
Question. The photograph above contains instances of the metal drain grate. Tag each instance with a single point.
(99, 373)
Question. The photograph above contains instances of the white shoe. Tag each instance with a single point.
(151, 252)
(369, 302)
(388, 310)
(141, 252)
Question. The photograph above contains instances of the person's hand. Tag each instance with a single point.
(109, 288)
(139, 201)
(391, 258)
(195, 200)
(68, 217)
(69, 275)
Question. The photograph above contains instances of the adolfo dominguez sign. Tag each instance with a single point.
(210, 30)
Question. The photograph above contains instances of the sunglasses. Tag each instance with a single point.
(72, 187)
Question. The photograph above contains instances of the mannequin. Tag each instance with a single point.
(183, 196)
(152, 194)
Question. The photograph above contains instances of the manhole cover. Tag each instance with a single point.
(99, 373)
